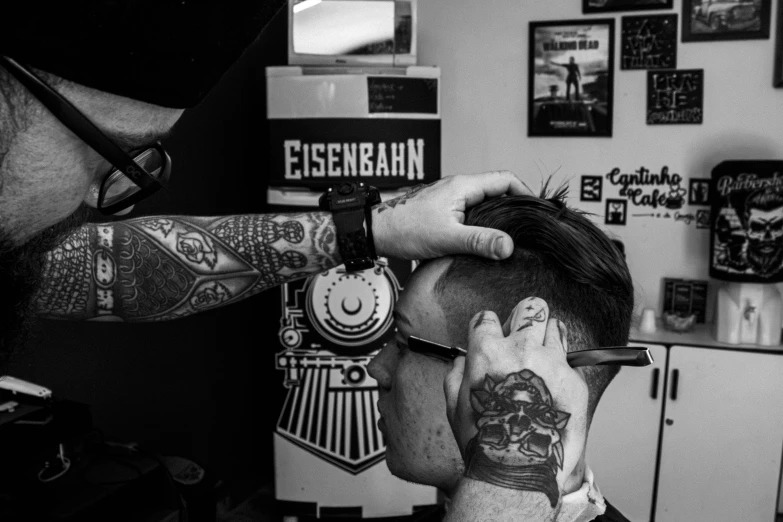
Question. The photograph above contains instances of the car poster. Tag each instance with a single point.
(706, 20)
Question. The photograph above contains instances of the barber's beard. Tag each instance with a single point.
(20, 274)
(764, 264)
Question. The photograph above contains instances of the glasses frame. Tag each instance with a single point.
(88, 132)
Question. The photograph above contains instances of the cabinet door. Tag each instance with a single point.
(623, 438)
(722, 436)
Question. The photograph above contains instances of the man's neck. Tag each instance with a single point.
(572, 483)
(577, 477)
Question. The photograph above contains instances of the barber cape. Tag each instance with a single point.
(586, 504)
(583, 505)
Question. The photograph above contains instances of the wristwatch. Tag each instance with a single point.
(351, 203)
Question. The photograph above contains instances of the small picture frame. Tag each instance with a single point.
(571, 78)
(709, 20)
(675, 96)
(607, 6)
(684, 297)
(648, 42)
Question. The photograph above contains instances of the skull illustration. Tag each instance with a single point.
(518, 424)
(764, 231)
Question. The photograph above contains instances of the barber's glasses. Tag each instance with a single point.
(133, 178)
(614, 355)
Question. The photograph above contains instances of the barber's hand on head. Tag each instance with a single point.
(427, 221)
(517, 409)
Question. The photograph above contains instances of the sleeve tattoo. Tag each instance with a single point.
(519, 440)
(159, 268)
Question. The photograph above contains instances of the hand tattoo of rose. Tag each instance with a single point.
(198, 248)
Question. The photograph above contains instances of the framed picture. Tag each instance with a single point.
(571, 76)
(648, 42)
(675, 96)
(707, 20)
(777, 79)
(605, 6)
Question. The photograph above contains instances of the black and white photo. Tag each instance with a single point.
(707, 20)
(571, 78)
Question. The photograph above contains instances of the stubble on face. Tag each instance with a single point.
(420, 444)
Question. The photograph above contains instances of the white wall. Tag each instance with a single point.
(482, 48)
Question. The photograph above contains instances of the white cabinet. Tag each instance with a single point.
(623, 438)
(720, 439)
(722, 436)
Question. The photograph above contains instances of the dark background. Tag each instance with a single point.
(203, 387)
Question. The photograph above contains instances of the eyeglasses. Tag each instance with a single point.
(133, 178)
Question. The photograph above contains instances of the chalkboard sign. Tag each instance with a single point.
(675, 96)
(649, 42)
(402, 95)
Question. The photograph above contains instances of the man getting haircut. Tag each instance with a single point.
(560, 256)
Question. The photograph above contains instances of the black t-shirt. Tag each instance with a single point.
(610, 515)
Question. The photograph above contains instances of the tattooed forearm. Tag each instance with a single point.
(519, 440)
(402, 199)
(156, 268)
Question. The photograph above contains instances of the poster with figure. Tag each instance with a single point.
(746, 243)
(571, 78)
(649, 42)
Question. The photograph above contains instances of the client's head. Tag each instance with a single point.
(560, 256)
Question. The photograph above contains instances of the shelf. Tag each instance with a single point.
(701, 335)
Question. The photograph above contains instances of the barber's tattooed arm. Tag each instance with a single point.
(157, 268)
(518, 412)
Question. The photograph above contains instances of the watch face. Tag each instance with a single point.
(352, 309)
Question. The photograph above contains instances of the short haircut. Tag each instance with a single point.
(559, 256)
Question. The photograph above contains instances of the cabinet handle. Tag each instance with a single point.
(675, 382)
(654, 389)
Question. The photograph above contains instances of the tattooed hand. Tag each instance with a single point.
(518, 411)
(426, 222)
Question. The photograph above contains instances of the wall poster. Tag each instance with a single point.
(746, 243)
(649, 42)
(675, 96)
(571, 78)
(707, 20)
